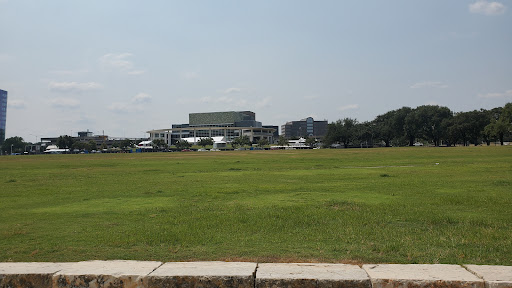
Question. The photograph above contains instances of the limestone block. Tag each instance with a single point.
(421, 276)
(311, 275)
(98, 274)
(203, 274)
(28, 274)
(494, 276)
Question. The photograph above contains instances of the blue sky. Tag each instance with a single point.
(125, 67)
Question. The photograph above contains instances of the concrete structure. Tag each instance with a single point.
(494, 276)
(104, 274)
(311, 275)
(28, 274)
(421, 275)
(231, 124)
(307, 127)
(275, 135)
(203, 274)
(149, 274)
(3, 115)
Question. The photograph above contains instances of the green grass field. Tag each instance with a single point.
(393, 205)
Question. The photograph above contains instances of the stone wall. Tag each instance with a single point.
(148, 274)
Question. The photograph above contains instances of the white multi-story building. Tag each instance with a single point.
(230, 125)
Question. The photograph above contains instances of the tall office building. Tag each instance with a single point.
(3, 114)
(304, 128)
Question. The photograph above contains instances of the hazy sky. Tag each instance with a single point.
(125, 67)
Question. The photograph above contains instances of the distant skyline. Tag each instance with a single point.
(126, 67)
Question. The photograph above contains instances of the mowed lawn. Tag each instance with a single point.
(394, 205)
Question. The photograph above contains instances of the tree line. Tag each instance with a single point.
(435, 125)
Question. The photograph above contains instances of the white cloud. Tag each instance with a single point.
(141, 98)
(135, 104)
(487, 8)
(73, 86)
(348, 107)
(121, 107)
(263, 103)
(120, 62)
(506, 94)
(65, 103)
(136, 72)
(17, 104)
(232, 90)
(429, 84)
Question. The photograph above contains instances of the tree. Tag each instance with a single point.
(364, 133)
(341, 131)
(310, 141)
(65, 142)
(263, 142)
(498, 128)
(425, 122)
(384, 126)
(159, 143)
(79, 146)
(477, 120)
(390, 127)
(205, 141)
(182, 144)
(126, 143)
(91, 145)
(282, 141)
(241, 141)
(16, 143)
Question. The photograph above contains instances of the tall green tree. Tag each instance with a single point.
(65, 142)
(159, 144)
(390, 127)
(364, 133)
(92, 145)
(126, 143)
(502, 126)
(282, 141)
(79, 146)
(385, 127)
(310, 141)
(426, 122)
(263, 142)
(341, 131)
(205, 141)
(476, 120)
(16, 143)
(182, 144)
(241, 141)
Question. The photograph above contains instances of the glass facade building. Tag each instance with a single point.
(3, 115)
(304, 128)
